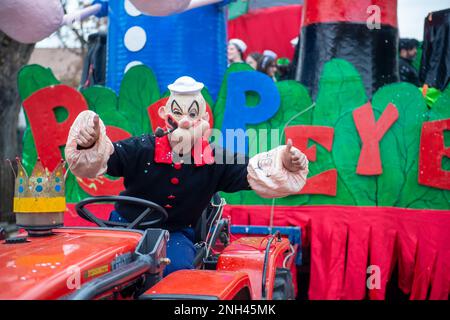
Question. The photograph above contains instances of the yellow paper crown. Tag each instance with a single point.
(42, 191)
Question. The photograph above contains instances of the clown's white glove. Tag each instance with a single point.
(293, 159)
(89, 133)
(279, 172)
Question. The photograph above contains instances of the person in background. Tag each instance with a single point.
(283, 69)
(408, 51)
(271, 54)
(268, 66)
(295, 43)
(253, 59)
(236, 49)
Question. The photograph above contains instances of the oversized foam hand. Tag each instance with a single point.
(30, 21)
(89, 132)
(293, 159)
(160, 8)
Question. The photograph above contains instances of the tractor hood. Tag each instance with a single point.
(53, 266)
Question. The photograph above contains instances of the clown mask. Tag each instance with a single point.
(186, 111)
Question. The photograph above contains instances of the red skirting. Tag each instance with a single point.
(345, 240)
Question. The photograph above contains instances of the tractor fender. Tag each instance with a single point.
(201, 285)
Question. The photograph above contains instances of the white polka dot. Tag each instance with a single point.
(131, 9)
(135, 38)
(132, 64)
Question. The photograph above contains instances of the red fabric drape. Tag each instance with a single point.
(272, 28)
(346, 240)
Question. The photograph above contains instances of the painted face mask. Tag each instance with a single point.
(186, 111)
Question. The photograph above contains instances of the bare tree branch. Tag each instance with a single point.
(75, 37)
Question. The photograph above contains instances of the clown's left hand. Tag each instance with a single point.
(279, 172)
(293, 160)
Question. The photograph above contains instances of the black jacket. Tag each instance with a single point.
(183, 190)
(407, 72)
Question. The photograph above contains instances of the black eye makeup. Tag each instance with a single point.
(175, 108)
(194, 109)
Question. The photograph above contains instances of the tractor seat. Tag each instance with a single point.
(207, 220)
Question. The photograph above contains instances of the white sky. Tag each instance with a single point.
(411, 14)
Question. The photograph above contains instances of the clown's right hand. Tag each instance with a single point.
(88, 148)
(89, 133)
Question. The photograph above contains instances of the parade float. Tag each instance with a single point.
(376, 200)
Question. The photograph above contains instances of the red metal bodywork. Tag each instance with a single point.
(54, 266)
(223, 285)
(240, 262)
(247, 255)
(48, 267)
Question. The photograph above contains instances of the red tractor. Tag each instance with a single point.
(117, 260)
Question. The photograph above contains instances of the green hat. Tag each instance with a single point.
(283, 61)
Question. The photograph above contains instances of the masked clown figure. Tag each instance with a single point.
(178, 169)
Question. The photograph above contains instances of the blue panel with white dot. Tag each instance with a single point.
(191, 43)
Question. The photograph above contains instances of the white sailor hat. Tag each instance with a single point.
(239, 43)
(270, 53)
(185, 85)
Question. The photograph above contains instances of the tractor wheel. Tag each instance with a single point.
(283, 288)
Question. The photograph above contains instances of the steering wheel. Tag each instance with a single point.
(150, 209)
